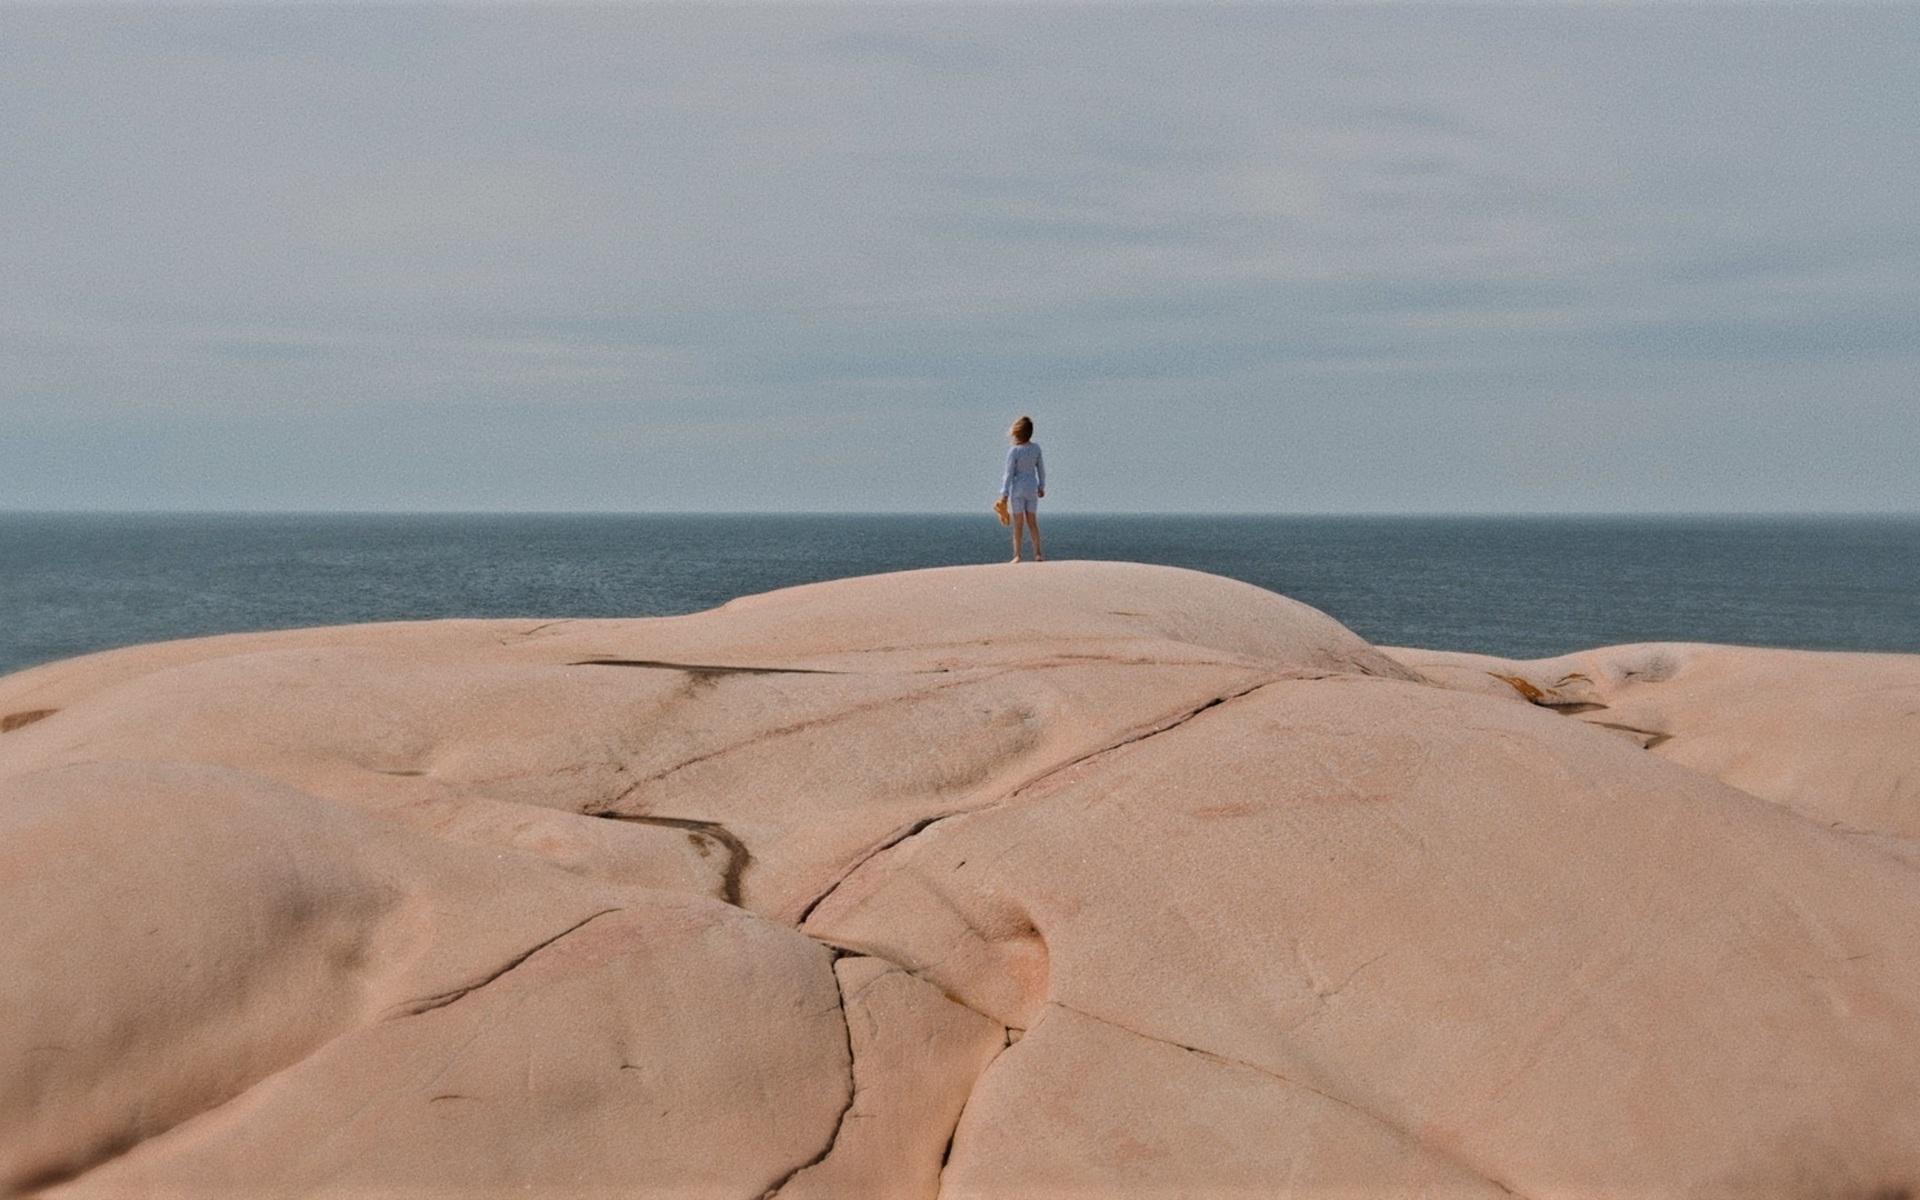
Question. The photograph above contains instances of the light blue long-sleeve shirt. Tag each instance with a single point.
(1026, 474)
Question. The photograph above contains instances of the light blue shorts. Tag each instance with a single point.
(1020, 504)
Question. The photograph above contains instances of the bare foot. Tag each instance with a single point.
(1039, 557)
(1014, 559)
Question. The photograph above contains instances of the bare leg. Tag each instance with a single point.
(1015, 524)
(1033, 528)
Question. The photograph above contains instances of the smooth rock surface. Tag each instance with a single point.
(1066, 880)
(1833, 736)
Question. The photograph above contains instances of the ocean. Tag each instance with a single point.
(1516, 586)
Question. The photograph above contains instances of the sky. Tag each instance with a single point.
(1248, 258)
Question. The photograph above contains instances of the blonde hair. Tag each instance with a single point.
(1022, 430)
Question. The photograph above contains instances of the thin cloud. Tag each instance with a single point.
(1370, 257)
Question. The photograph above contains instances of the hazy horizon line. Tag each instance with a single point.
(985, 513)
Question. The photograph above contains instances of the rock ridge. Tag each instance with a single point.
(1060, 880)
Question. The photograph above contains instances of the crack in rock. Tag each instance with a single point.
(701, 670)
(1654, 737)
(835, 717)
(1224, 1060)
(1009, 1036)
(739, 858)
(413, 1008)
(853, 1092)
(885, 844)
(915, 828)
(894, 965)
(66, 1173)
(1327, 993)
(523, 634)
(975, 673)
(946, 1153)
(21, 720)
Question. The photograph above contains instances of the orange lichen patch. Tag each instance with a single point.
(1522, 686)
(21, 720)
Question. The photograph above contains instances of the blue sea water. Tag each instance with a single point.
(1526, 586)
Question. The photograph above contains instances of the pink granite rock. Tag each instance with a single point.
(1833, 736)
(1069, 880)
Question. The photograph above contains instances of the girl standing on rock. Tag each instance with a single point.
(1023, 484)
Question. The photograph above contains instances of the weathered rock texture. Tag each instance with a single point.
(1835, 737)
(1063, 880)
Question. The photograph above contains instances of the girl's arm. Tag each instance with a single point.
(1006, 476)
(1040, 469)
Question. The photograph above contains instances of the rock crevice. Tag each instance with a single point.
(840, 1121)
(919, 826)
(1395, 1127)
(425, 1004)
(739, 857)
